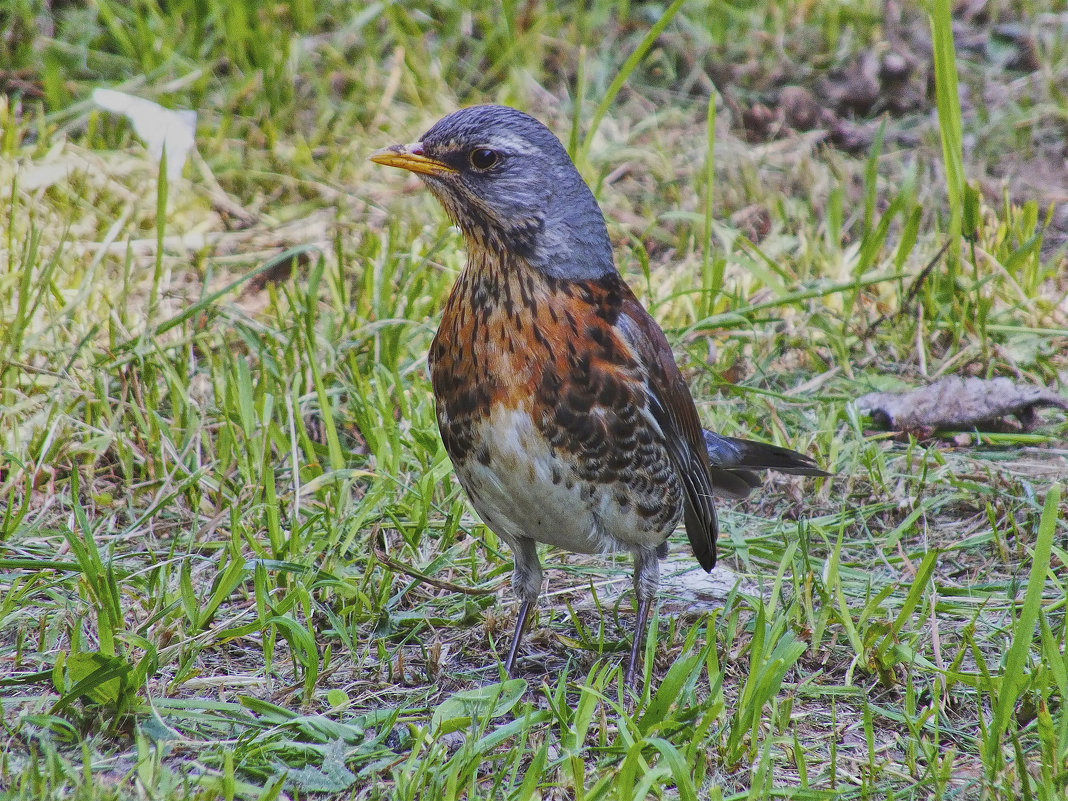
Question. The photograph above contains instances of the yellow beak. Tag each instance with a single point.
(410, 157)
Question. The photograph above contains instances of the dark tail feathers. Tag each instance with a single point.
(740, 457)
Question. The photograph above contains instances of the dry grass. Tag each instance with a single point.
(220, 476)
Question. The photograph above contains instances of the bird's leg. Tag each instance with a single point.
(526, 581)
(639, 630)
(520, 624)
(646, 582)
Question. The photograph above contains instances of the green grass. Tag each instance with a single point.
(234, 562)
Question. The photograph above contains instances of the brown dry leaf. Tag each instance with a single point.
(960, 403)
(754, 222)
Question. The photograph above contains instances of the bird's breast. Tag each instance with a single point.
(510, 335)
(541, 402)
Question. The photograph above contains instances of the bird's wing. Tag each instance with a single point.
(674, 412)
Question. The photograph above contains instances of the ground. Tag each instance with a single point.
(234, 561)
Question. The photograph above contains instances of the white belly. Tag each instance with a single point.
(522, 489)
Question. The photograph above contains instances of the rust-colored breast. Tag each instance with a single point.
(510, 335)
(514, 338)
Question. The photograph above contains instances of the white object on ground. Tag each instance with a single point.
(159, 127)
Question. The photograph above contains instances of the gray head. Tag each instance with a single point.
(508, 183)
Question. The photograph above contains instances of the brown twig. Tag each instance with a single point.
(911, 294)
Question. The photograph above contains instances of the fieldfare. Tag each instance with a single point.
(557, 395)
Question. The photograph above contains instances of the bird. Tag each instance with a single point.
(557, 395)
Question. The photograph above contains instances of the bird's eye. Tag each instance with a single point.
(482, 158)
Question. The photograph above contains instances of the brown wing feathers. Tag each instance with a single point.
(675, 413)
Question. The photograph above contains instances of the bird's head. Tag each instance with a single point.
(509, 185)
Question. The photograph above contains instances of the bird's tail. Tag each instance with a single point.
(741, 457)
